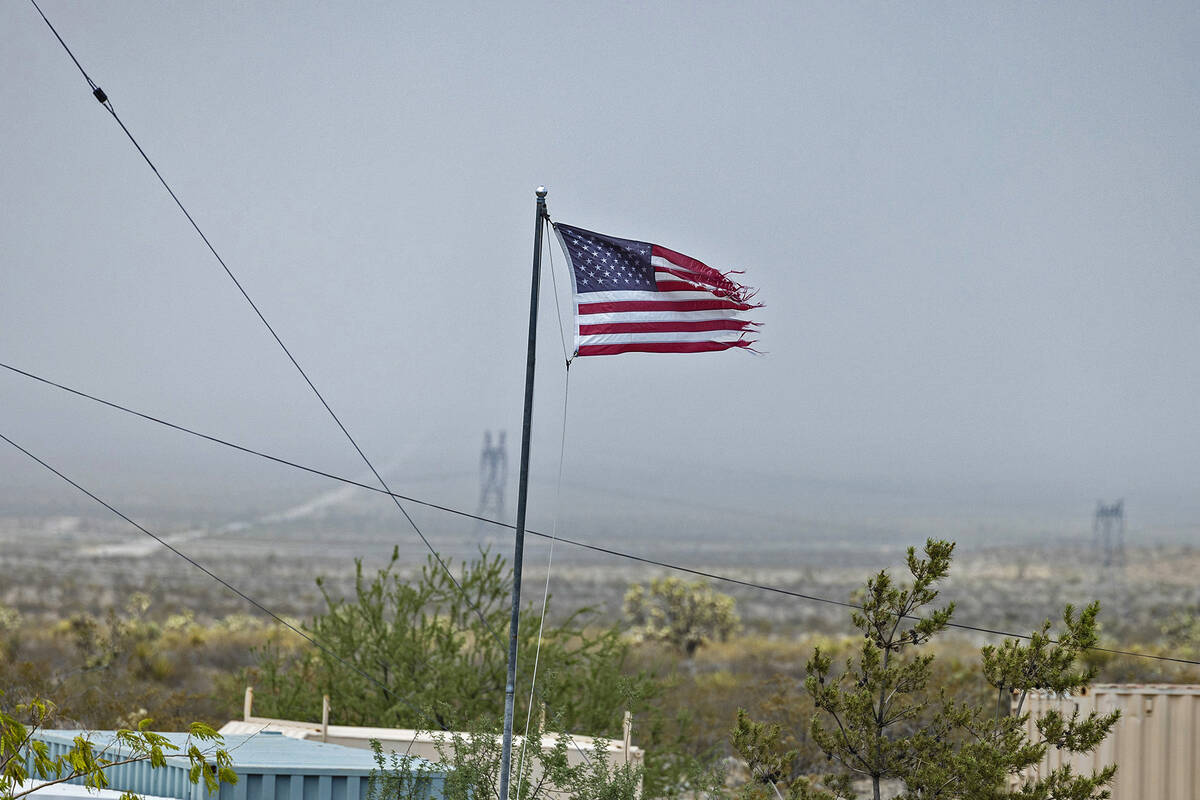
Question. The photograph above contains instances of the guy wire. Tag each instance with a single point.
(104, 101)
(311, 640)
(565, 540)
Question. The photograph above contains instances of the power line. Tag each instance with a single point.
(103, 98)
(82, 71)
(100, 96)
(104, 101)
(573, 542)
(311, 640)
(388, 691)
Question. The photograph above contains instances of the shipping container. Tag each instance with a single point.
(269, 766)
(1155, 745)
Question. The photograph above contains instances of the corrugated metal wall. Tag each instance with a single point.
(1155, 745)
(268, 786)
(269, 767)
(168, 781)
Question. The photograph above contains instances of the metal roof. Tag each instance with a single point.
(264, 751)
(1127, 688)
(296, 729)
(43, 790)
(269, 766)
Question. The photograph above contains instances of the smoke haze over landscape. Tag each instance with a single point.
(973, 229)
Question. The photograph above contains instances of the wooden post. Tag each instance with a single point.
(628, 731)
(248, 703)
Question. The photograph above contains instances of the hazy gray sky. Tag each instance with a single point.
(974, 226)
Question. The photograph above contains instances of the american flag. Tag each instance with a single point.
(637, 297)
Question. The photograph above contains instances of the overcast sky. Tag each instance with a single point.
(974, 227)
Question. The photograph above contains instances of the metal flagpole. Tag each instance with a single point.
(522, 495)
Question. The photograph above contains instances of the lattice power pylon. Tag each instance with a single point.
(1108, 529)
(493, 476)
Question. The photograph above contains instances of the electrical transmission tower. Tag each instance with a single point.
(493, 477)
(1108, 528)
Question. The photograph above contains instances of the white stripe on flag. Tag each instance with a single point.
(656, 316)
(669, 336)
(655, 297)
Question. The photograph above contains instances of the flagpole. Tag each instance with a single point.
(522, 495)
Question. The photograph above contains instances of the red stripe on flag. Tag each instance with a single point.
(666, 327)
(717, 281)
(698, 269)
(680, 260)
(660, 305)
(658, 347)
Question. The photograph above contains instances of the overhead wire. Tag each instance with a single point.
(106, 103)
(252, 601)
(103, 99)
(100, 95)
(558, 537)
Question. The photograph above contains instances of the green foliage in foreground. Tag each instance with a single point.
(23, 758)
(878, 718)
(438, 656)
(109, 671)
(473, 759)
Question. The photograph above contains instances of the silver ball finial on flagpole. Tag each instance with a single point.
(541, 191)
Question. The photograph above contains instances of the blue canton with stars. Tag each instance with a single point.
(607, 264)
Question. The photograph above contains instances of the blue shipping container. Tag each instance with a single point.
(269, 766)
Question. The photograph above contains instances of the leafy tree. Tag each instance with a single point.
(683, 614)
(878, 719)
(882, 689)
(435, 662)
(398, 776)
(770, 764)
(23, 757)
